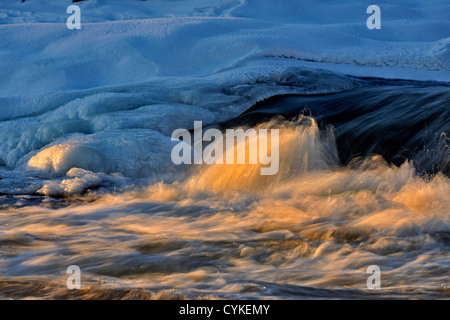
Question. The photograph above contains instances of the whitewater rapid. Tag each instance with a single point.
(309, 233)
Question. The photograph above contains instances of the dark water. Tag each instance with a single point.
(399, 120)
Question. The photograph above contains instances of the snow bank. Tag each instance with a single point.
(166, 38)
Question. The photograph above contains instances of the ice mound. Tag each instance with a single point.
(133, 153)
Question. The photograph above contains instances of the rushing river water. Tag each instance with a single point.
(363, 180)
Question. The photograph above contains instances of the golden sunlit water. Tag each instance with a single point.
(225, 231)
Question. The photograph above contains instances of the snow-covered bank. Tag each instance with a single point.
(44, 58)
(181, 38)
